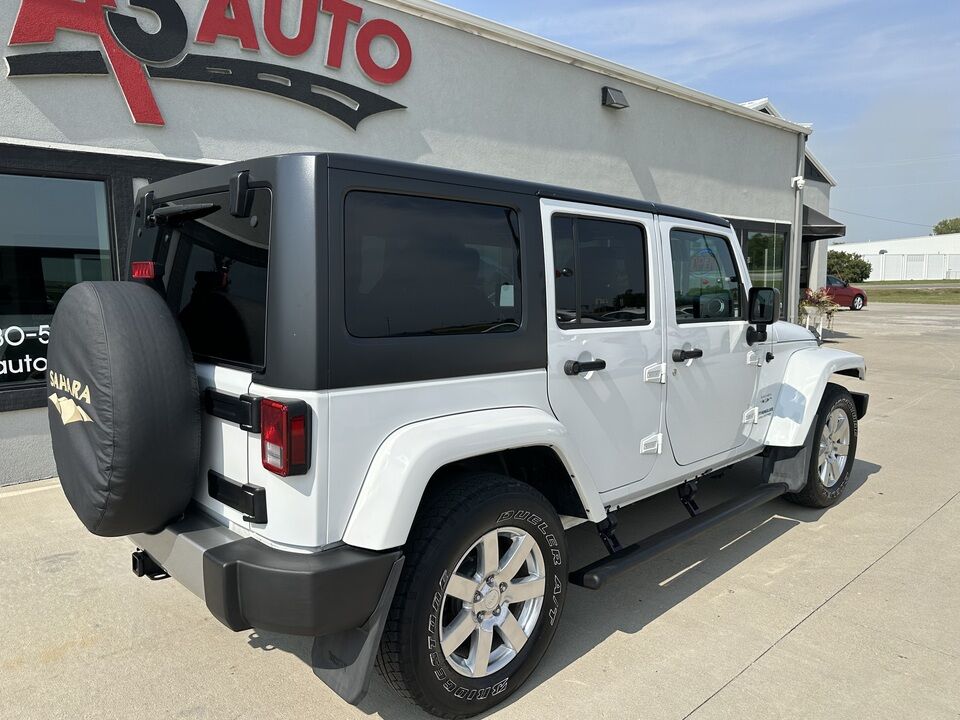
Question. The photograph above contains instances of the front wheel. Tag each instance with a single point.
(857, 303)
(833, 452)
(479, 598)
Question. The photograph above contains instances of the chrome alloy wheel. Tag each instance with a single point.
(492, 602)
(834, 448)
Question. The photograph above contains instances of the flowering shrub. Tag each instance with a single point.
(818, 302)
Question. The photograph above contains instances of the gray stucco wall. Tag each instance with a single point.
(817, 195)
(472, 103)
(25, 447)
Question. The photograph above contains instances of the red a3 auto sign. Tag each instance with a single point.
(135, 57)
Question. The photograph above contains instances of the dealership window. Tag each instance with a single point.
(54, 233)
(426, 266)
(765, 252)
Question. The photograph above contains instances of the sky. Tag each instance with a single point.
(879, 80)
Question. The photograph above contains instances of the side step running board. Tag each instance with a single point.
(594, 575)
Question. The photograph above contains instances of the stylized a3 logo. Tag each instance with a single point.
(136, 56)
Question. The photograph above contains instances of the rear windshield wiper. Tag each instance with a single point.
(179, 213)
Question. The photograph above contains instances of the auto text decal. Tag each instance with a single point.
(135, 57)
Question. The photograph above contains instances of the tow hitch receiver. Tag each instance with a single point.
(146, 566)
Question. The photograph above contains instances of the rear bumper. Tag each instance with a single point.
(247, 584)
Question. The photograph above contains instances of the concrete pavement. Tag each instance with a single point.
(852, 612)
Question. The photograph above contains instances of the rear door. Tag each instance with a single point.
(603, 300)
(212, 270)
(712, 370)
(839, 290)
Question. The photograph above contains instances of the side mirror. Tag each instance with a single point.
(763, 309)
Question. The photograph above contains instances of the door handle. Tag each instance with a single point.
(574, 367)
(684, 355)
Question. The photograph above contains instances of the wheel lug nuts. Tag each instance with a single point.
(496, 612)
(490, 581)
(480, 617)
(477, 596)
(503, 586)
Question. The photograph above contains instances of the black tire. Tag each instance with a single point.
(124, 409)
(449, 523)
(816, 493)
(857, 303)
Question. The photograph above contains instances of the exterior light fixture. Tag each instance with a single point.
(613, 98)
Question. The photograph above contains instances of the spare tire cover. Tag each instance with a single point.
(124, 407)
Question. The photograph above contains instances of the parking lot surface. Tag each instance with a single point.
(852, 612)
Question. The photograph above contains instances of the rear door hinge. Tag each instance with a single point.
(652, 444)
(244, 410)
(752, 416)
(656, 373)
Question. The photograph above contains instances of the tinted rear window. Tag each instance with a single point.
(216, 278)
(426, 266)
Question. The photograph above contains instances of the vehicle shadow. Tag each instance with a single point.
(832, 336)
(637, 598)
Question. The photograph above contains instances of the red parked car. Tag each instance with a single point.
(843, 293)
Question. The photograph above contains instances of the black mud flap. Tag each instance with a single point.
(344, 660)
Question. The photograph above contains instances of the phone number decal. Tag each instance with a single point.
(15, 336)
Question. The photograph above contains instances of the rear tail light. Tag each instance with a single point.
(143, 270)
(285, 436)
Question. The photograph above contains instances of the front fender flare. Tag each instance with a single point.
(409, 457)
(808, 372)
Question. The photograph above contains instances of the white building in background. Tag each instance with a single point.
(931, 257)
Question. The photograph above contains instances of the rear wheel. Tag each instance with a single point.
(834, 449)
(857, 303)
(480, 596)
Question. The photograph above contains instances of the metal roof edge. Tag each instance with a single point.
(504, 34)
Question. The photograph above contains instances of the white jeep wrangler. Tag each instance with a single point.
(360, 400)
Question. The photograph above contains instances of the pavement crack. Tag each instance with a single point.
(821, 605)
(936, 651)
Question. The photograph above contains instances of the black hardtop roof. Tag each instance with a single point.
(185, 185)
(459, 177)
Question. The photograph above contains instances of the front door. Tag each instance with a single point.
(604, 334)
(712, 370)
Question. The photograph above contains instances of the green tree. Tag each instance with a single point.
(848, 266)
(947, 226)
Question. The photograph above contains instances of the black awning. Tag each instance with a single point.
(817, 226)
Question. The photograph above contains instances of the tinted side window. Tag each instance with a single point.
(425, 266)
(600, 271)
(706, 283)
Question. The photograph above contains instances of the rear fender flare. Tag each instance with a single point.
(406, 461)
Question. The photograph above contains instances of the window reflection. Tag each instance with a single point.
(54, 234)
